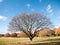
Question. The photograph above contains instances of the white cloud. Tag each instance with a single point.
(28, 5)
(56, 26)
(3, 18)
(1, 0)
(49, 9)
(59, 17)
(40, 0)
(32, 9)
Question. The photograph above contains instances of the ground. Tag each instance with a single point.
(23, 41)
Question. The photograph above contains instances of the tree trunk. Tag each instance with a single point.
(31, 38)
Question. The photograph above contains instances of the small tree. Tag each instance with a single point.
(29, 23)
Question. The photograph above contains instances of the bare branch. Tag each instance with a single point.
(29, 23)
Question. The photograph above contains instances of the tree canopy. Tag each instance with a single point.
(29, 23)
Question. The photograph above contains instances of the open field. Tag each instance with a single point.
(21, 41)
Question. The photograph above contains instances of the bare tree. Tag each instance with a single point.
(29, 23)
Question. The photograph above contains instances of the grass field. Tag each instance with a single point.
(6, 40)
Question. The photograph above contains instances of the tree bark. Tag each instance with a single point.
(31, 38)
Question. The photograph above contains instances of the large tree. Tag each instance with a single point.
(29, 23)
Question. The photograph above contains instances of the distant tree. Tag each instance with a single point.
(1, 35)
(22, 34)
(53, 32)
(29, 23)
(13, 35)
(44, 32)
(57, 31)
(7, 35)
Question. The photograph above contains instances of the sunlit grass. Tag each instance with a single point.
(36, 39)
(46, 38)
(12, 40)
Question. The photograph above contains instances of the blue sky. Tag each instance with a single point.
(10, 8)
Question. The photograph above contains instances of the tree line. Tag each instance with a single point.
(40, 33)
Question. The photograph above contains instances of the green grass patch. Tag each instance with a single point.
(12, 40)
(3, 41)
